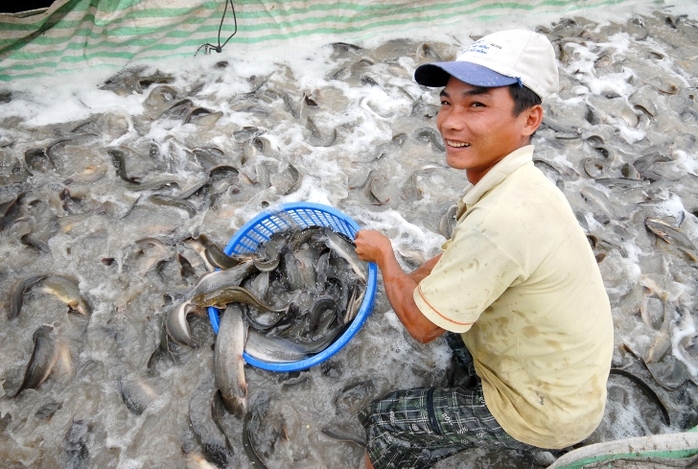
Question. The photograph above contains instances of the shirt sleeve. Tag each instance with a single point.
(471, 274)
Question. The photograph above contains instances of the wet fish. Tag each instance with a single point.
(186, 269)
(135, 80)
(179, 110)
(214, 443)
(219, 279)
(353, 304)
(218, 258)
(173, 201)
(345, 249)
(447, 222)
(273, 349)
(17, 292)
(48, 410)
(209, 156)
(44, 357)
(67, 290)
(75, 445)
(647, 390)
(35, 242)
(233, 294)
(38, 160)
(228, 363)
(118, 158)
(136, 393)
(262, 430)
(672, 235)
(344, 433)
(432, 137)
(203, 117)
(177, 326)
(11, 211)
(426, 51)
(385, 148)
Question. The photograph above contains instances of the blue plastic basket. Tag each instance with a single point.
(303, 214)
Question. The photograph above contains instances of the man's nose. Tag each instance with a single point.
(453, 121)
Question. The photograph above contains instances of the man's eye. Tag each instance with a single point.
(444, 103)
(477, 104)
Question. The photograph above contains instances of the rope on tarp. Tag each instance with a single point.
(219, 48)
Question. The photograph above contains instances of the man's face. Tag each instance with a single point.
(478, 127)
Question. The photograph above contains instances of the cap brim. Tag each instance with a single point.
(438, 73)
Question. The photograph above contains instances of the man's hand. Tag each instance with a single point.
(372, 246)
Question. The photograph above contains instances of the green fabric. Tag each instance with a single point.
(110, 33)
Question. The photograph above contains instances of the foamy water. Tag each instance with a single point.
(354, 124)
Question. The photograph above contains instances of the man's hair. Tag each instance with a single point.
(523, 97)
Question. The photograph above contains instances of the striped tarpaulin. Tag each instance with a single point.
(75, 34)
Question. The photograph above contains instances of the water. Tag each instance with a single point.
(619, 140)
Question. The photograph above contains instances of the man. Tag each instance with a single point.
(517, 280)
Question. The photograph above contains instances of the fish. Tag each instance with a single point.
(447, 222)
(345, 249)
(11, 211)
(356, 395)
(209, 156)
(219, 259)
(66, 289)
(231, 294)
(228, 363)
(135, 79)
(38, 160)
(186, 269)
(118, 158)
(425, 52)
(48, 410)
(344, 433)
(288, 180)
(160, 98)
(203, 117)
(273, 349)
(44, 357)
(353, 304)
(136, 393)
(646, 389)
(176, 324)
(219, 279)
(173, 201)
(214, 443)
(17, 292)
(431, 136)
(673, 236)
(262, 430)
(75, 445)
(384, 148)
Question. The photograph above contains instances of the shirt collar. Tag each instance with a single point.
(497, 174)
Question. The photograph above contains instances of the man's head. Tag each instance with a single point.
(505, 58)
(491, 100)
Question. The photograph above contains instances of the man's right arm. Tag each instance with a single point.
(425, 269)
(373, 246)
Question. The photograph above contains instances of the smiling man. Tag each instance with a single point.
(516, 289)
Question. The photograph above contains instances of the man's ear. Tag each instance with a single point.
(534, 117)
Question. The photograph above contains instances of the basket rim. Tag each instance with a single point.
(270, 212)
(364, 310)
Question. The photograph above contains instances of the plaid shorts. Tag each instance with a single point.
(415, 428)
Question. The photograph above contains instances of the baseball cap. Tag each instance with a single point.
(500, 59)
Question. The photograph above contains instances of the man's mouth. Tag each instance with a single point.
(456, 144)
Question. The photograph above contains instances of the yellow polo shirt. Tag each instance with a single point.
(519, 281)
